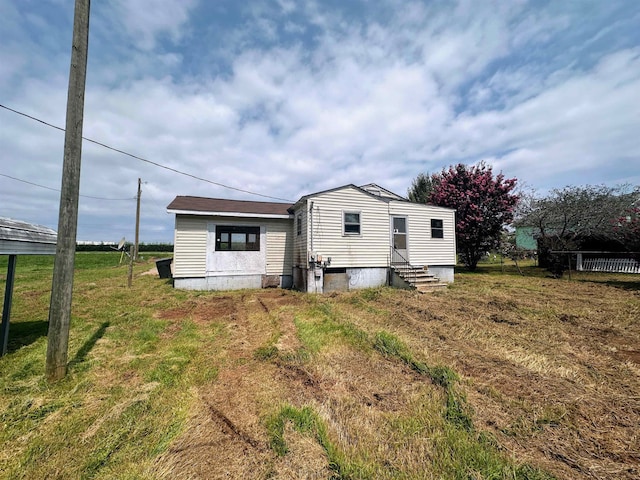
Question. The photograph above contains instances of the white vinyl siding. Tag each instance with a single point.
(279, 247)
(424, 250)
(370, 248)
(190, 244)
(300, 241)
(190, 247)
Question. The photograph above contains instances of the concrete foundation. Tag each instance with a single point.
(367, 277)
(232, 282)
(443, 272)
(317, 280)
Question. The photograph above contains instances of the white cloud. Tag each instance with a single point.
(367, 99)
(146, 20)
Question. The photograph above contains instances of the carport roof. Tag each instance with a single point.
(18, 237)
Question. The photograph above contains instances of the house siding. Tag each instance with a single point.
(300, 241)
(190, 247)
(279, 247)
(369, 249)
(190, 244)
(424, 250)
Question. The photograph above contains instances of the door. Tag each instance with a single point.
(399, 240)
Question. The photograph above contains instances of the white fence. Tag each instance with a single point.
(607, 264)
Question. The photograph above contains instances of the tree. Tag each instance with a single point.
(421, 188)
(483, 204)
(627, 230)
(592, 217)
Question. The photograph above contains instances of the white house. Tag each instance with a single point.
(339, 239)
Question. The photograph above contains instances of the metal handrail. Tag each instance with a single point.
(404, 263)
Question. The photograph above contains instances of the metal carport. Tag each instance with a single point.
(20, 238)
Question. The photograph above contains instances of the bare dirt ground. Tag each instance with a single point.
(550, 368)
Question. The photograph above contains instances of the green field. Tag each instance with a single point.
(498, 376)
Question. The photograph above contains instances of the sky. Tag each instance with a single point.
(284, 98)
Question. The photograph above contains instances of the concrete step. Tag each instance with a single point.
(421, 275)
(412, 271)
(431, 287)
(423, 281)
(419, 278)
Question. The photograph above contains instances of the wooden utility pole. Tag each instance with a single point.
(62, 285)
(135, 252)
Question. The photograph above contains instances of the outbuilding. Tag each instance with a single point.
(20, 238)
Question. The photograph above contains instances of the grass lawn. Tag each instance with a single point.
(499, 376)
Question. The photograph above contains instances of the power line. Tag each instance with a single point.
(146, 160)
(57, 190)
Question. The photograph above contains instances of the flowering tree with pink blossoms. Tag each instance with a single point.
(484, 204)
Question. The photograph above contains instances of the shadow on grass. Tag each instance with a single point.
(623, 284)
(82, 353)
(506, 269)
(22, 334)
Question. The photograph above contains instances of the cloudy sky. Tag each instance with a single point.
(286, 97)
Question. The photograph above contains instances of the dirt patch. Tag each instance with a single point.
(204, 309)
(210, 449)
(628, 356)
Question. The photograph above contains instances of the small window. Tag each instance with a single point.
(437, 230)
(239, 239)
(299, 224)
(351, 223)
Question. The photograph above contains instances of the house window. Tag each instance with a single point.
(351, 223)
(239, 239)
(299, 224)
(437, 229)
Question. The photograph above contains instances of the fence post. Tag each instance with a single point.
(131, 254)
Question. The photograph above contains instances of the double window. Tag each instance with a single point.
(437, 229)
(239, 239)
(351, 223)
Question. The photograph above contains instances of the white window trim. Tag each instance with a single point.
(351, 234)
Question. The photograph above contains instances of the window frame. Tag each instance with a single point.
(232, 230)
(437, 231)
(299, 224)
(345, 231)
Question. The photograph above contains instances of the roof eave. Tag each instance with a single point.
(229, 214)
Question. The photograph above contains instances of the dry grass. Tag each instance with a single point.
(550, 367)
(277, 384)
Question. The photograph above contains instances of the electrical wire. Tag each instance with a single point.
(146, 160)
(57, 190)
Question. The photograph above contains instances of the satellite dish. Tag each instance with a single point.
(121, 243)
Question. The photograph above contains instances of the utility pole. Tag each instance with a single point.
(135, 252)
(62, 284)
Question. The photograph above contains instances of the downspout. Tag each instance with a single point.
(390, 249)
(311, 225)
(312, 265)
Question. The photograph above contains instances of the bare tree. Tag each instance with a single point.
(568, 217)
